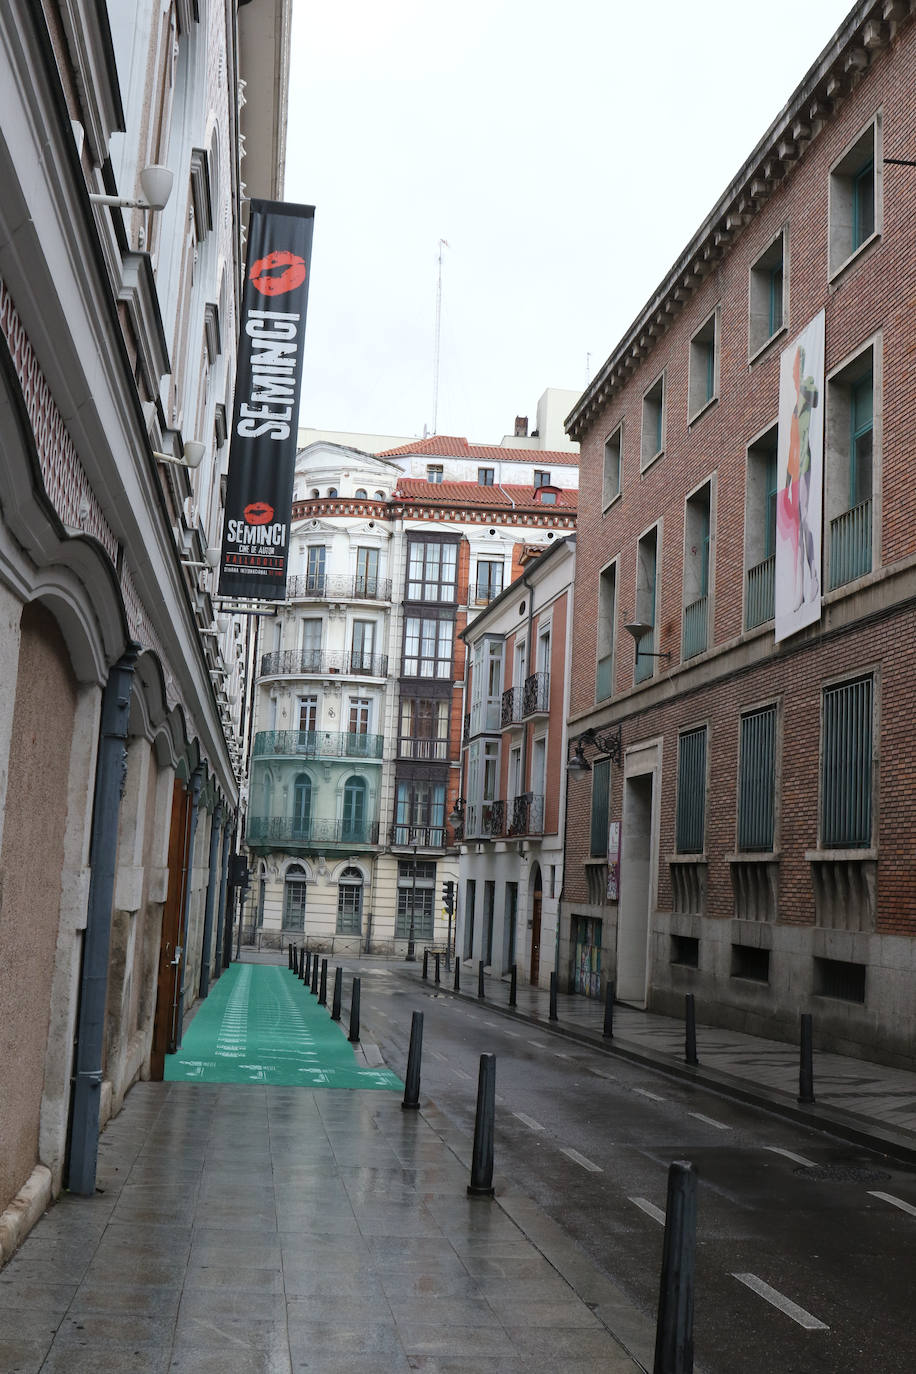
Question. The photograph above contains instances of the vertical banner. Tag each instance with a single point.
(613, 861)
(268, 381)
(800, 481)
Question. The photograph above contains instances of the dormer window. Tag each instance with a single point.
(546, 495)
(434, 472)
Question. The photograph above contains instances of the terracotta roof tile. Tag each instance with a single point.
(471, 493)
(450, 446)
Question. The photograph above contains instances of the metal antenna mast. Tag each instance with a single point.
(443, 243)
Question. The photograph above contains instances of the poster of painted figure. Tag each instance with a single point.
(799, 479)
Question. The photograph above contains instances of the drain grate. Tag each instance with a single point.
(840, 1173)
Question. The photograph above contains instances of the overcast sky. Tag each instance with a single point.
(567, 150)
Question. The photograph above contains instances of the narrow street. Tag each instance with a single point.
(805, 1244)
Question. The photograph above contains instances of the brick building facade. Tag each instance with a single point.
(765, 790)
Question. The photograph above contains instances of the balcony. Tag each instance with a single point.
(431, 750)
(421, 836)
(760, 605)
(695, 627)
(333, 587)
(536, 695)
(318, 744)
(485, 820)
(527, 817)
(850, 545)
(292, 663)
(511, 708)
(274, 832)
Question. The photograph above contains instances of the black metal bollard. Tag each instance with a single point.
(338, 988)
(674, 1323)
(301, 969)
(480, 987)
(315, 974)
(306, 974)
(457, 974)
(426, 963)
(481, 1184)
(412, 1082)
(513, 986)
(354, 1012)
(608, 1031)
(437, 978)
(323, 989)
(806, 1060)
(289, 955)
(690, 1029)
(553, 997)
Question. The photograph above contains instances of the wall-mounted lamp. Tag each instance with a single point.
(156, 182)
(211, 560)
(194, 452)
(639, 629)
(610, 744)
(456, 817)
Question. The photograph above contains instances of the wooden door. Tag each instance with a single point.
(170, 960)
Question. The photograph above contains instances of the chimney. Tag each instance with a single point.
(521, 426)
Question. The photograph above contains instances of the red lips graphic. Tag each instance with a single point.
(258, 513)
(265, 277)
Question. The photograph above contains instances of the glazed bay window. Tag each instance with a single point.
(760, 531)
(489, 580)
(428, 647)
(847, 764)
(416, 892)
(690, 822)
(646, 601)
(757, 780)
(652, 436)
(607, 632)
(485, 813)
(486, 685)
(696, 571)
(613, 466)
(849, 462)
(855, 197)
(431, 571)
(420, 813)
(424, 729)
(766, 315)
(703, 366)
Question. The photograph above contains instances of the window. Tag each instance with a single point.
(294, 890)
(601, 784)
(545, 496)
(350, 902)
(840, 979)
(748, 961)
(367, 572)
(846, 765)
(757, 780)
(314, 570)
(424, 729)
(855, 198)
(434, 472)
(850, 457)
(302, 807)
(652, 438)
(427, 647)
(703, 368)
(416, 890)
(332, 491)
(760, 530)
(489, 579)
(607, 632)
(691, 791)
(541, 478)
(485, 815)
(361, 494)
(311, 645)
(696, 572)
(420, 813)
(360, 709)
(486, 685)
(485, 477)
(646, 569)
(308, 714)
(767, 296)
(363, 650)
(613, 455)
(431, 571)
(380, 496)
(353, 820)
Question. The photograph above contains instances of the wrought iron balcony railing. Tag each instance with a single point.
(410, 747)
(466, 733)
(291, 663)
(337, 587)
(424, 836)
(289, 830)
(511, 709)
(760, 604)
(536, 695)
(850, 545)
(485, 820)
(527, 816)
(317, 744)
(695, 627)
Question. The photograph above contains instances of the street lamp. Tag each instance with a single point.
(609, 743)
(639, 629)
(411, 951)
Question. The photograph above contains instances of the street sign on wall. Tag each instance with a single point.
(268, 381)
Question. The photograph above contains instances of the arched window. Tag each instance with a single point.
(350, 902)
(361, 493)
(353, 822)
(332, 491)
(294, 898)
(302, 806)
(315, 493)
(380, 496)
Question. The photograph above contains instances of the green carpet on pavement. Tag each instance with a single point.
(261, 1025)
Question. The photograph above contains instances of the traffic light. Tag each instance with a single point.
(448, 896)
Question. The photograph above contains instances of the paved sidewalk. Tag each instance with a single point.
(861, 1101)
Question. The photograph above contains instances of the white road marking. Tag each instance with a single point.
(538, 1044)
(580, 1159)
(436, 1055)
(649, 1208)
(798, 1159)
(710, 1121)
(461, 1074)
(528, 1121)
(515, 1035)
(558, 1055)
(491, 1023)
(644, 1092)
(791, 1309)
(599, 1073)
(895, 1202)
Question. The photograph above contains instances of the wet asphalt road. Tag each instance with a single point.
(827, 1266)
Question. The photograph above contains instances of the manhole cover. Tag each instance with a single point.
(840, 1173)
